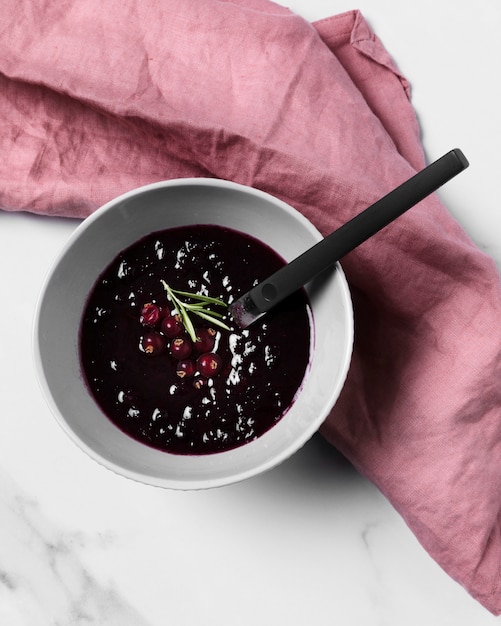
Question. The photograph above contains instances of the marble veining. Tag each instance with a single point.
(42, 577)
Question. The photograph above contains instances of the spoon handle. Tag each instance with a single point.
(327, 252)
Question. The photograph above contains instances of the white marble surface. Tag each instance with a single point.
(309, 543)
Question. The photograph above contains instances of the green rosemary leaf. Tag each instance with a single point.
(170, 292)
(195, 308)
(201, 298)
(212, 313)
(212, 319)
(188, 324)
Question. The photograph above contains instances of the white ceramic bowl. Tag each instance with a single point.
(114, 227)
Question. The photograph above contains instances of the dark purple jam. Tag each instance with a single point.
(164, 401)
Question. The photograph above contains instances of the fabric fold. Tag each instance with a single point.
(377, 77)
(97, 99)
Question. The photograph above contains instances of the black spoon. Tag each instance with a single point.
(260, 299)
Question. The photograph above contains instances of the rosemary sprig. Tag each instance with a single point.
(198, 307)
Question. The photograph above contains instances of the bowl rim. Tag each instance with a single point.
(173, 483)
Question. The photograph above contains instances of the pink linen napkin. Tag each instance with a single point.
(97, 98)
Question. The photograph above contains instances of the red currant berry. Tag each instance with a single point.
(152, 343)
(150, 315)
(171, 327)
(206, 338)
(209, 364)
(164, 311)
(186, 368)
(181, 348)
